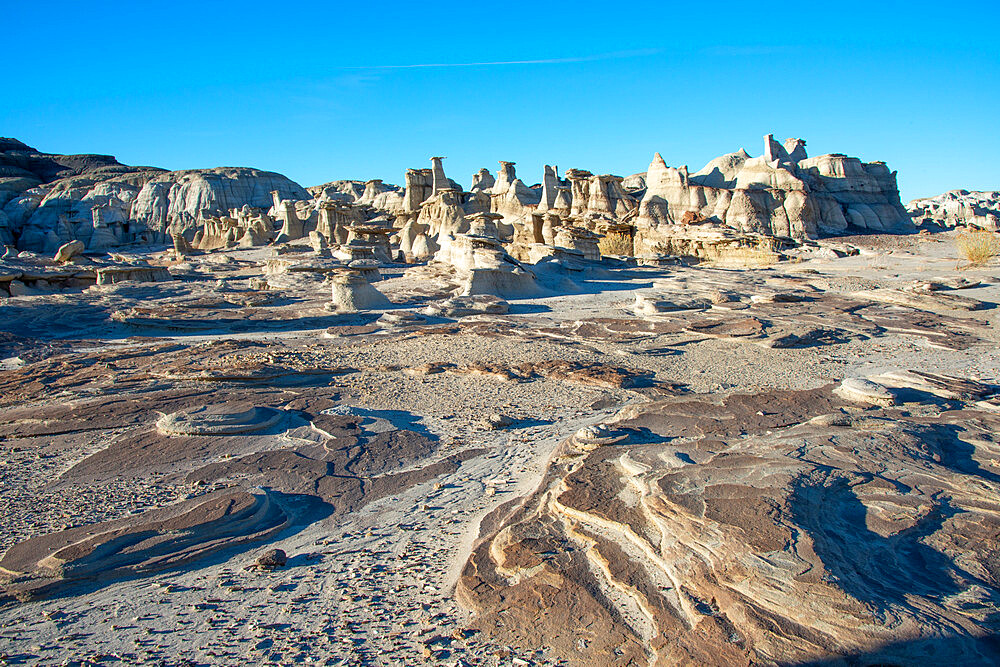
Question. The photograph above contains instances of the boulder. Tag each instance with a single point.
(111, 275)
(653, 303)
(68, 251)
(271, 559)
(859, 390)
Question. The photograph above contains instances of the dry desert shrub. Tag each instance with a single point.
(721, 296)
(978, 246)
(758, 254)
(616, 243)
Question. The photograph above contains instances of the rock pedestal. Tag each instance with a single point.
(351, 293)
(181, 246)
(375, 237)
(438, 179)
(484, 268)
(292, 227)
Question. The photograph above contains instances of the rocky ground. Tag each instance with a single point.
(440, 497)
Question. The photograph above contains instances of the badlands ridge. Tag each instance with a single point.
(740, 416)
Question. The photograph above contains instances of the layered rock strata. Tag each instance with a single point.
(49, 200)
(756, 529)
(958, 208)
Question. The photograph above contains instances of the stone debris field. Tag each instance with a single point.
(741, 416)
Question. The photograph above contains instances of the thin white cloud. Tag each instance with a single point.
(727, 50)
(543, 61)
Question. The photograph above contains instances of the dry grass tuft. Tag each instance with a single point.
(722, 296)
(616, 243)
(978, 246)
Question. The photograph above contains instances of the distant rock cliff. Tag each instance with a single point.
(959, 208)
(173, 201)
(49, 199)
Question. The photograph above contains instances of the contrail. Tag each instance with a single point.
(544, 61)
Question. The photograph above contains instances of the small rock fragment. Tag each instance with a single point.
(496, 421)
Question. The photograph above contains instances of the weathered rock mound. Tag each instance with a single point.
(778, 528)
(158, 539)
(173, 202)
(958, 208)
(49, 200)
(782, 193)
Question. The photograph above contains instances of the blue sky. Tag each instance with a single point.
(322, 91)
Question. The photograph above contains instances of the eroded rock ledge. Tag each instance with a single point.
(764, 529)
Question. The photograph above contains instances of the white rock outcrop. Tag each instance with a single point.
(174, 201)
(783, 193)
(483, 267)
(958, 208)
(49, 200)
(68, 251)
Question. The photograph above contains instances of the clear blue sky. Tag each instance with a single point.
(322, 91)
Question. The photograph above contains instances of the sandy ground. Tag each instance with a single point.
(375, 586)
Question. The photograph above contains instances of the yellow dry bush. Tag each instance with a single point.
(978, 246)
(616, 243)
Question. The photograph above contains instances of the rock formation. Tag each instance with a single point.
(483, 267)
(782, 193)
(482, 180)
(345, 191)
(779, 553)
(163, 538)
(68, 251)
(244, 227)
(291, 227)
(443, 213)
(352, 292)
(438, 180)
(49, 200)
(958, 208)
(419, 187)
(173, 202)
(550, 188)
(133, 273)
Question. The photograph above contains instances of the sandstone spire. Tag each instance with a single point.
(773, 150)
(439, 180)
(505, 178)
(550, 183)
(482, 180)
